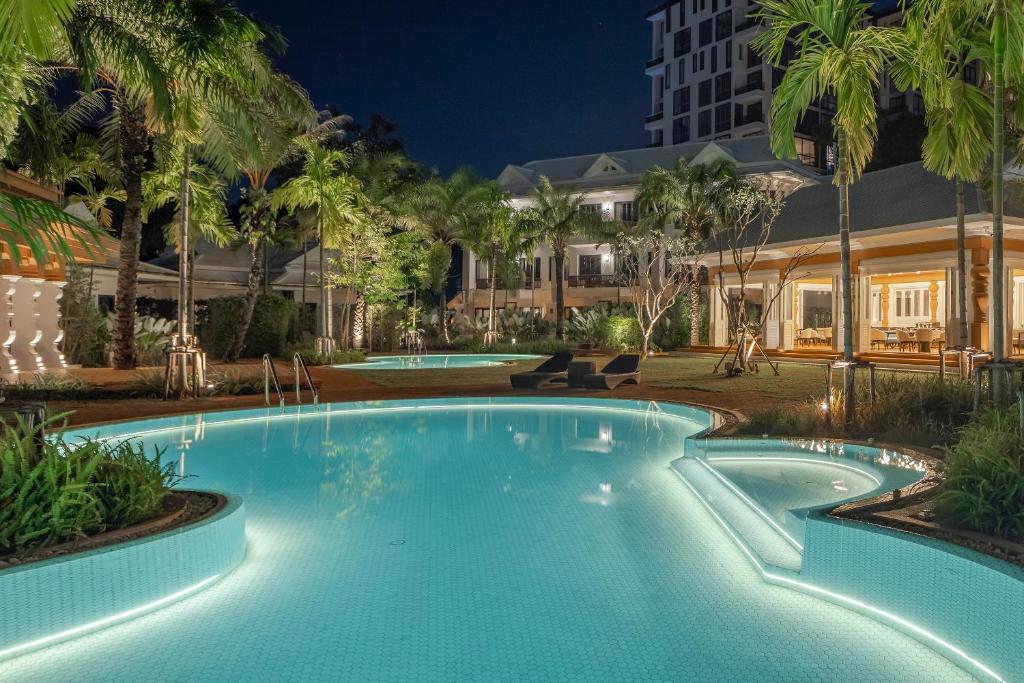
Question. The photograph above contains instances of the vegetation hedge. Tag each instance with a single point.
(622, 333)
(53, 492)
(272, 320)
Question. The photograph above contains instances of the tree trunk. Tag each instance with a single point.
(134, 142)
(248, 304)
(961, 265)
(843, 172)
(492, 282)
(559, 295)
(184, 254)
(695, 307)
(359, 323)
(998, 122)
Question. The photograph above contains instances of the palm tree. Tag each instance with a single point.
(326, 187)
(439, 208)
(560, 218)
(958, 113)
(839, 55)
(691, 198)
(499, 233)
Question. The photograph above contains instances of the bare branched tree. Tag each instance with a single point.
(656, 268)
(748, 215)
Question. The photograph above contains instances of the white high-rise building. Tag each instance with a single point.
(707, 83)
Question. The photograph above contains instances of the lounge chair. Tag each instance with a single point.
(622, 369)
(551, 371)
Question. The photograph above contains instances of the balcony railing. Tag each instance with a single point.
(748, 22)
(752, 116)
(656, 116)
(499, 283)
(751, 86)
(594, 280)
(657, 59)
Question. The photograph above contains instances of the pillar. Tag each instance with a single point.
(979, 293)
(862, 313)
(837, 313)
(49, 324)
(933, 300)
(26, 325)
(771, 334)
(718, 331)
(8, 363)
(885, 305)
(787, 313)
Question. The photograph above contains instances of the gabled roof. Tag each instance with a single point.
(751, 155)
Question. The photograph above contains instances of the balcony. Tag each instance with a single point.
(749, 24)
(590, 281)
(656, 116)
(499, 283)
(657, 59)
(752, 89)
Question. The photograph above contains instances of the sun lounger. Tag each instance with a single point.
(622, 369)
(551, 371)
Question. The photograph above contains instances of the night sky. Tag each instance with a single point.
(476, 83)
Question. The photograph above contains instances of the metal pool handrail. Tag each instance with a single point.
(300, 363)
(270, 373)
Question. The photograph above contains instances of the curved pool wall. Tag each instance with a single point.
(438, 361)
(45, 602)
(962, 603)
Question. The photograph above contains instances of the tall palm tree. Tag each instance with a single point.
(838, 54)
(560, 219)
(958, 113)
(439, 208)
(326, 187)
(690, 197)
(499, 233)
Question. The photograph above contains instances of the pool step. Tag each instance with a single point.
(771, 544)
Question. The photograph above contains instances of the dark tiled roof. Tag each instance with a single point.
(901, 195)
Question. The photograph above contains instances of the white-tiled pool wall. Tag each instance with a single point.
(44, 602)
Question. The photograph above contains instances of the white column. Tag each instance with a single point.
(837, 313)
(718, 322)
(8, 363)
(26, 325)
(772, 327)
(787, 314)
(862, 313)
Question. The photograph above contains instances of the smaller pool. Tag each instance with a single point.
(437, 362)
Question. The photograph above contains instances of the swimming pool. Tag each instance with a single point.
(437, 361)
(490, 539)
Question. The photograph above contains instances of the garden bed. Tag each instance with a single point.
(180, 508)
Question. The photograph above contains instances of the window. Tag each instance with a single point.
(703, 5)
(658, 137)
(668, 76)
(704, 123)
(704, 32)
(805, 151)
(702, 60)
(714, 58)
(704, 93)
(681, 130)
(917, 105)
(723, 87)
(591, 208)
(625, 211)
(590, 264)
(693, 6)
(753, 57)
(723, 117)
(681, 69)
(696, 63)
(728, 54)
(714, 5)
(723, 25)
(681, 101)
(971, 73)
(682, 42)
(913, 303)
(681, 13)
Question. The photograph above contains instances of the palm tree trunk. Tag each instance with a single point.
(961, 264)
(134, 143)
(846, 274)
(492, 283)
(359, 323)
(248, 303)
(559, 295)
(183, 258)
(998, 122)
(695, 306)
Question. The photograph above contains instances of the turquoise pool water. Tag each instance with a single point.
(491, 540)
(436, 362)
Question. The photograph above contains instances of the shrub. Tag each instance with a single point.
(983, 486)
(152, 338)
(545, 347)
(83, 322)
(622, 333)
(909, 408)
(315, 358)
(272, 319)
(57, 492)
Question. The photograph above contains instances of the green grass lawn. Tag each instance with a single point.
(796, 381)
